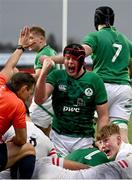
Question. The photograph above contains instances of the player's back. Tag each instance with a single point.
(37, 138)
(111, 54)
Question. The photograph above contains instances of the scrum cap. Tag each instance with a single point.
(76, 51)
(104, 15)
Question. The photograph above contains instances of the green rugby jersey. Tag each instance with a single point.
(111, 54)
(74, 102)
(89, 156)
(46, 50)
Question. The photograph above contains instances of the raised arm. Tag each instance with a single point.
(43, 90)
(23, 42)
(58, 59)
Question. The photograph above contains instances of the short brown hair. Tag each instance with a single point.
(38, 30)
(107, 131)
(20, 79)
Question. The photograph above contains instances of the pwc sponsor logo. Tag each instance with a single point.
(71, 109)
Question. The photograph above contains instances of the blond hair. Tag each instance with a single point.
(38, 30)
(107, 131)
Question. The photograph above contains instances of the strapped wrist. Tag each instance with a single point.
(21, 47)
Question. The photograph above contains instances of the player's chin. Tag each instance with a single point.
(110, 156)
(72, 74)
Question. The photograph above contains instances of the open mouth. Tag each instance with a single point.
(71, 69)
(107, 152)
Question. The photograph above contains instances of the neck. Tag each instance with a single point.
(101, 26)
(80, 73)
(42, 46)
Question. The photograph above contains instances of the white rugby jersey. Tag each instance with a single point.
(124, 150)
(43, 145)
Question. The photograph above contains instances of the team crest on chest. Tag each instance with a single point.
(62, 87)
(88, 92)
(80, 102)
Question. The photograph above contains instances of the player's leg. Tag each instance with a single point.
(24, 156)
(41, 115)
(120, 106)
(60, 143)
(65, 144)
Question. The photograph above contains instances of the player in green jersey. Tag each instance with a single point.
(111, 52)
(76, 94)
(90, 156)
(40, 115)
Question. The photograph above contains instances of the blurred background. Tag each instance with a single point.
(14, 14)
(65, 21)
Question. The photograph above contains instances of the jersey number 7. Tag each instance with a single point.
(119, 48)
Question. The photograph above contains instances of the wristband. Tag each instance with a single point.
(21, 47)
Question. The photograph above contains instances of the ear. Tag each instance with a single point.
(22, 91)
(23, 88)
(119, 139)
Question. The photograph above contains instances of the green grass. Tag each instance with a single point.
(130, 130)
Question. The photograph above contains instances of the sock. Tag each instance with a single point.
(24, 168)
(14, 170)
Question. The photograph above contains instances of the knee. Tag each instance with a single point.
(29, 149)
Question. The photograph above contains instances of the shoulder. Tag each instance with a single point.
(3, 79)
(90, 35)
(92, 75)
(48, 50)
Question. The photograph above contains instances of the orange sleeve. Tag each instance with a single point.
(3, 79)
(19, 120)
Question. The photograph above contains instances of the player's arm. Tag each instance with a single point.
(102, 111)
(20, 136)
(72, 165)
(68, 164)
(88, 49)
(36, 74)
(8, 69)
(43, 90)
(58, 59)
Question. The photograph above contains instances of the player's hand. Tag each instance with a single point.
(48, 64)
(24, 37)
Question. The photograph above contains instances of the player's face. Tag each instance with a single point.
(110, 145)
(72, 65)
(36, 40)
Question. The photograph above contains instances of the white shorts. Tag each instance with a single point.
(65, 144)
(120, 101)
(39, 116)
